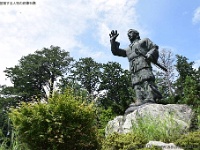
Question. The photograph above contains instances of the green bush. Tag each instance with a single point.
(189, 141)
(103, 117)
(62, 123)
(124, 142)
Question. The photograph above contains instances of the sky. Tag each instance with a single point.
(82, 28)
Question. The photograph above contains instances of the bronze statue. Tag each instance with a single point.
(140, 53)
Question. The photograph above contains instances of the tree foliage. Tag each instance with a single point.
(191, 91)
(57, 63)
(184, 69)
(87, 72)
(37, 71)
(28, 77)
(117, 83)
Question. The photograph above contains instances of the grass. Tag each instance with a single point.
(166, 130)
(11, 143)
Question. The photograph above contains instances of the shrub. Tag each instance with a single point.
(189, 141)
(194, 125)
(123, 142)
(62, 123)
(103, 117)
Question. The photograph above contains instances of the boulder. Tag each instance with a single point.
(164, 146)
(174, 115)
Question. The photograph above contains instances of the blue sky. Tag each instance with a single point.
(82, 27)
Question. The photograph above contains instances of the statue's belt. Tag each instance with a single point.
(134, 58)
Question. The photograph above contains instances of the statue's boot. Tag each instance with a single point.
(137, 103)
(149, 101)
(133, 106)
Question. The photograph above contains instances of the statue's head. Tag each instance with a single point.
(133, 34)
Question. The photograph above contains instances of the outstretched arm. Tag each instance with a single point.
(115, 45)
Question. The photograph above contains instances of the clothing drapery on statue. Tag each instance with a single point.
(143, 80)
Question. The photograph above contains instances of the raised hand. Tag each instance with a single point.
(113, 35)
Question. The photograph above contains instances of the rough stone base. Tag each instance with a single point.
(181, 114)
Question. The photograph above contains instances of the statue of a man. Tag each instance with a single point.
(140, 54)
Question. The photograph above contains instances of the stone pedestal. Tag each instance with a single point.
(180, 114)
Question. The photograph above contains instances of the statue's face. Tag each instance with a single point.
(132, 35)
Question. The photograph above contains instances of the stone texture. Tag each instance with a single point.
(164, 146)
(181, 114)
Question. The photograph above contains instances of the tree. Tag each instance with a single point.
(57, 63)
(67, 82)
(117, 83)
(37, 71)
(191, 92)
(28, 77)
(165, 80)
(87, 72)
(187, 84)
(184, 69)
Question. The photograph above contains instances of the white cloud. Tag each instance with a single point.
(96, 55)
(116, 15)
(168, 48)
(103, 34)
(196, 17)
(196, 64)
(24, 29)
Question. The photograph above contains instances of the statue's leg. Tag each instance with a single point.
(139, 94)
(149, 92)
(152, 92)
(139, 99)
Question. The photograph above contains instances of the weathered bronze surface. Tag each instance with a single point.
(140, 54)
